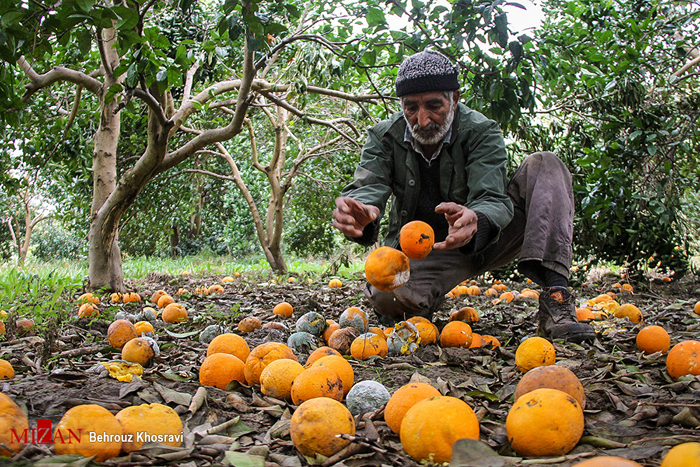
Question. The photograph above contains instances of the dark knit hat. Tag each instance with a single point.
(426, 71)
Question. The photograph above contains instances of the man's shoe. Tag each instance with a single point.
(557, 317)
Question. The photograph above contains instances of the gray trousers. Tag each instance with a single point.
(539, 235)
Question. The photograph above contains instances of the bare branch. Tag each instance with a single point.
(254, 147)
(189, 79)
(687, 66)
(38, 82)
(208, 173)
(370, 98)
(154, 105)
(317, 121)
(74, 110)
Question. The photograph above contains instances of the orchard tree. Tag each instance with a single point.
(620, 97)
(191, 92)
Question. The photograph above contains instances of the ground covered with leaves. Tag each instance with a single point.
(634, 408)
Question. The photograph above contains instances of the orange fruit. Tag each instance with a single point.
(553, 377)
(342, 339)
(320, 353)
(403, 399)
(2, 328)
(220, 369)
(174, 313)
(89, 298)
(456, 334)
(342, 367)
(353, 317)
(215, 289)
(529, 293)
(544, 423)
(12, 420)
(335, 283)
(120, 332)
(428, 332)
(607, 461)
(25, 327)
(387, 268)
(367, 345)
(142, 327)
(491, 291)
(317, 381)
(377, 330)
(165, 300)
(417, 239)
(331, 327)
(630, 312)
(431, 426)
(684, 359)
(156, 422)
(249, 324)
(584, 314)
(653, 339)
(477, 341)
(466, 314)
(6, 370)
(229, 343)
(283, 309)
(73, 431)
(316, 423)
(261, 356)
(227, 279)
(277, 378)
(88, 310)
(138, 350)
(490, 340)
(156, 296)
(534, 352)
(696, 308)
(682, 455)
(473, 290)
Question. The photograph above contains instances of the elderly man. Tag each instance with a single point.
(445, 164)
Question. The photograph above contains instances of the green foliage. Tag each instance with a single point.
(43, 297)
(51, 241)
(625, 125)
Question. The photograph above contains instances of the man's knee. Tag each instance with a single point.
(547, 160)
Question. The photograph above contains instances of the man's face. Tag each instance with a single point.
(429, 115)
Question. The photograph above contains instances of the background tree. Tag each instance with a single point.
(128, 66)
(620, 97)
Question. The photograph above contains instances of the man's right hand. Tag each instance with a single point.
(351, 216)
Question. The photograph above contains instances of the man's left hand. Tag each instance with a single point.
(462, 225)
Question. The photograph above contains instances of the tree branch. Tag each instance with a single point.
(74, 110)
(154, 105)
(317, 121)
(59, 73)
(687, 66)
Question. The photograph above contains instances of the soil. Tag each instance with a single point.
(634, 409)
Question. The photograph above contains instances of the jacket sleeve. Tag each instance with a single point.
(372, 181)
(487, 176)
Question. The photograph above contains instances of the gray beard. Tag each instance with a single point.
(442, 130)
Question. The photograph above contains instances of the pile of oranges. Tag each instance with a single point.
(546, 418)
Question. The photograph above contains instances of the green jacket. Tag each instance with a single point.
(472, 173)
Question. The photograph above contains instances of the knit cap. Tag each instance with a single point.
(426, 71)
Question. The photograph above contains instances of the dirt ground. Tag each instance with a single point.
(634, 409)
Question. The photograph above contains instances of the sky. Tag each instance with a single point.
(520, 20)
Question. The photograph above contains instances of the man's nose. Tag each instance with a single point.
(423, 117)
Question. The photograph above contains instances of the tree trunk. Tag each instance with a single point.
(174, 241)
(104, 256)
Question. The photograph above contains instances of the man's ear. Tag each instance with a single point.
(455, 97)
